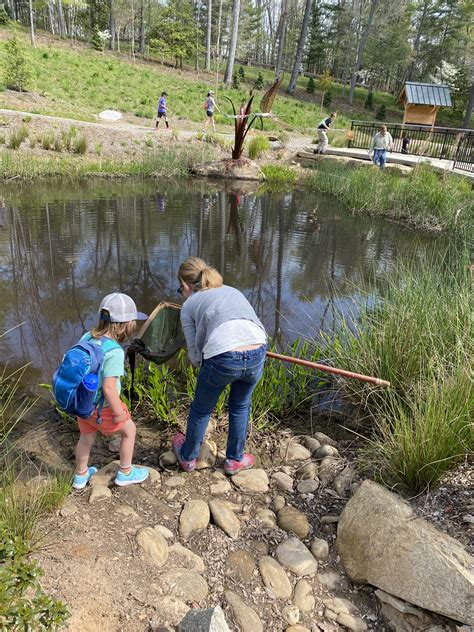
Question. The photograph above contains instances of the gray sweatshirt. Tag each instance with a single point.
(207, 309)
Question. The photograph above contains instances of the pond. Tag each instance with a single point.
(300, 258)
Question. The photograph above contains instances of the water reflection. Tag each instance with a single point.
(298, 257)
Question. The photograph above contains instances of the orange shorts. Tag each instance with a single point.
(107, 425)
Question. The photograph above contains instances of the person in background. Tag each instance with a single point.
(227, 341)
(382, 142)
(210, 105)
(117, 324)
(162, 110)
(405, 143)
(322, 133)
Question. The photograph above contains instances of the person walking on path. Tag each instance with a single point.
(117, 324)
(162, 110)
(322, 133)
(210, 105)
(382, 142)
(227, 340)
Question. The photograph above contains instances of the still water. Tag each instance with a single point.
(299, 258)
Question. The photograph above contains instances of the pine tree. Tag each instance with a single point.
(369, 101)
(381, 113)
(241, 73)
(236, 81)
(327, 99)
(96, 41)
(310, 88)
(259, 83)
(16, 68)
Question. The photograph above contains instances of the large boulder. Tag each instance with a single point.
(383, 543)
(241, 169)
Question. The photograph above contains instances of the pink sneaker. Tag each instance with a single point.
(232, 467)
(176, 445)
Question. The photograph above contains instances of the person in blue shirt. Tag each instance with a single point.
(162, 110)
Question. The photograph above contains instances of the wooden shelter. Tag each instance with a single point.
(422, 102)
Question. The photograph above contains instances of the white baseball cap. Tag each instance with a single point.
(121, 308)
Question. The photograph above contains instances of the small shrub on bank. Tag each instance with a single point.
(47, 140)
(79, 145)
(381, 113)
(369, 101)
(311, 87)
(241, 73)
(257, 146)
(16, 70)
(327, 99)
(68, 136)
(259, 82)
(235, 81)
(17, 136)
(279, 175)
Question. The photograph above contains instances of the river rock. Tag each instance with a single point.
(291, 451)
(225, 518)
(340, 605)
(279, 502)
(381, 542)
(164, 531)
(68, 509)
(299, 628)
(353, 623)
(207, 455)
(307, 487)
(246, 617)
(294, 521)
(343, 480)
(167, 459)
(241, 169)
(296, 557)
(291, 614)
(153, 545)
(267, 518)
(328, 469)
(171, 611)
(185, 584)
(98, 493)
(210, 620)
(184, 558)
(330, 579)
(311, 443)
(154, 476)
(275, 579)
(325, 450)
(174, 481)
(283, 481)
(222, 486)
(320, 549)
(308, 471)
(194, 517)
(240, 565)
(303, 596)
(324, 439)
(106, 475)
(251, 480)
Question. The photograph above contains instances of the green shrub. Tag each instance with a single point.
(369, 101)
(96, 41)
(311, 87)
(327, 99)
(241, 73)
(4, 16)
(17, 136)
(259, 82)
(279, 174)
(47, 140)
(235, 81)
(79, 145)
(257, 146)
(26, 118)
(16, 70)
(381, 113)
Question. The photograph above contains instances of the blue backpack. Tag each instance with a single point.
(76, 380)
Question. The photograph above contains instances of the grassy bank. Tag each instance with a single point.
(423, 198)
(169, 162)
(420, 338)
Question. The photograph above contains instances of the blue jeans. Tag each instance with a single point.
(242, 370)
(380, 157)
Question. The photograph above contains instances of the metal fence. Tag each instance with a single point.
(465, 154)
(444, 143)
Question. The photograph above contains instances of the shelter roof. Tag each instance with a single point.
(425, 94)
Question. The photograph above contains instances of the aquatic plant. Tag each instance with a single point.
(279, 174)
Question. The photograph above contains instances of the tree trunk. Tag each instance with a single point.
(132, 49)
(361, 48)
(417, 42)
(281, 33)
(299, 50)
(142, 29)
(32, 22)
(111, 25)
(198, 13)
(61, 23)
(469, 108)
(51, 18)
(229, 71)
(208, 35)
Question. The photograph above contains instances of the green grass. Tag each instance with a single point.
(279, 175)
(257, 146)
(423, 198)
(17, 136)
(420, 338)
(172, 162)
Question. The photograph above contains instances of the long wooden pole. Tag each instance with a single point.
(328, 369)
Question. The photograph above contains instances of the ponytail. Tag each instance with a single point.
(196, 272)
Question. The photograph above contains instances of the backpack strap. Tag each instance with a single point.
(107, 344)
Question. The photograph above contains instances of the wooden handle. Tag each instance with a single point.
(328, 369)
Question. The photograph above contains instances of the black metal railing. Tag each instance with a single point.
(465, 154)
(434, 142)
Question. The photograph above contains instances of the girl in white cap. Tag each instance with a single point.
(210, 105)
(117, 323)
